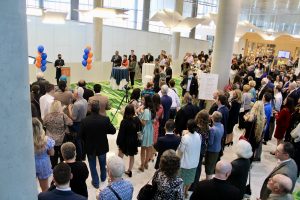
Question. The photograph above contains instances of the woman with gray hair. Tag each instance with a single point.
(241, 166)
(214, 144)
(169, 185)
(118, 188)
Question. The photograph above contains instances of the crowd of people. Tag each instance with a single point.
(183, 131)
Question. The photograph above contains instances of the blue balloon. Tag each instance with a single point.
(40, 48)
(44, 62)
(84, 63)
(43, 68)
(44, 56)
(85, 57)
(86, 51)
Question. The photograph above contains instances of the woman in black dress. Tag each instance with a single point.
(235, 105)
(156, 80)
(127, 139)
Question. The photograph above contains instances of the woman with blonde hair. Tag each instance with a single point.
(56, 123)
(252, 91)
(245, 106)
(254, 125)
(43, 147)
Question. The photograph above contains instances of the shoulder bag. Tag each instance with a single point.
(115, 193)
(147, 192)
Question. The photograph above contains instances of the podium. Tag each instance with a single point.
(66, 71)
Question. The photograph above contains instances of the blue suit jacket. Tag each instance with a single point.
(164, 143)
(60, 195)
(225, 115)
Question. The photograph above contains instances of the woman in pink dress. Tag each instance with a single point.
(159, 114)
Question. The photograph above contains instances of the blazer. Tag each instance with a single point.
(93, 132)
(239, 174)
(60, 195)
(103, 103)
(215, 189)
(116, 60)
(225, 117)
(149, 59)
(263, 90)
(288, 168)
(169, 141)
(294, 95)
(189, 111)
(193, 86)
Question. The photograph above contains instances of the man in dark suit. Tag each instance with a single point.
(116, 59)
(169, 141)
(93, 132)
(188, 111)
(286, 166)
(62, 176)
(190, 84)
(58, 64)
(265, 87)
(292, 92)
(87, 92)
(217, 188)
(41, 82)
(149, 58)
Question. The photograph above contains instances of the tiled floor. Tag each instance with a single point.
(259, 170)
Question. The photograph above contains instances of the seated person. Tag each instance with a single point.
(125, 61)
(79, 169)
(118, 188)
(62, 176)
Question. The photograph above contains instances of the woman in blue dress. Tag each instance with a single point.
(146, 116)
(43, 149)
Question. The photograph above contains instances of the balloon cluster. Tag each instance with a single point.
(40, 60)
(87, 58)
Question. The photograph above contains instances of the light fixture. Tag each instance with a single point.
(51, 17)
(34, 11)
(105, 13)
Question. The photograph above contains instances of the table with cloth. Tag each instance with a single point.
(119, 78)
(147, 72)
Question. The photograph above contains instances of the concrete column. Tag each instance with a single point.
(194, 14)
(224, 39)
(176, 36)
(98, 27)
(17, 168)
(136, 6)
(146, 13)
(41, 4)
(74, 14)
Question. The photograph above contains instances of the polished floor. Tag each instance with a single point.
(259, 171)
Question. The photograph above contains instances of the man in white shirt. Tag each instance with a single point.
(46, 100)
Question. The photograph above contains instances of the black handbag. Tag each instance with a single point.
(147, 192)
(69, 136)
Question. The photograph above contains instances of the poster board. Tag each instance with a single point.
(207, 86)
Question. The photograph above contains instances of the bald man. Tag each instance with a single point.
(280, 186)
(217, 188)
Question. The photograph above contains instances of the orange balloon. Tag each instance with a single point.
(39, 53)
(88, 67)
(91, 55)
(89, 60)
(38, 64)
(88, 47)
(38, 58)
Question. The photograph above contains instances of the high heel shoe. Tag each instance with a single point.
(129, 173)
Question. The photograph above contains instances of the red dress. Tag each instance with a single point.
(283, 119)
(158, 117)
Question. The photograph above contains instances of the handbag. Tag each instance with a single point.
(147, 192)
(69, 137)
